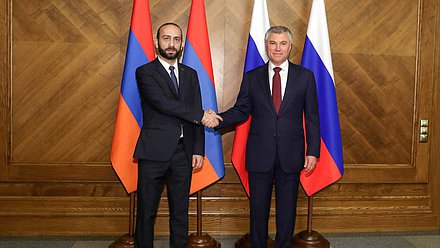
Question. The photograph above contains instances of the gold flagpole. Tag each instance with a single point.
(309, 238)
(127, 240)
(200, 239)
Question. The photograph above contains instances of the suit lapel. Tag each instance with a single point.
(183, 79)
(264, 84)
(290, 85)
(164, 74)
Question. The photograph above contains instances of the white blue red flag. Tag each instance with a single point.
(317, 57)
(140, 50)
(197, 55)
(255, 56)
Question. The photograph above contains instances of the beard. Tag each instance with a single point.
(176, 55)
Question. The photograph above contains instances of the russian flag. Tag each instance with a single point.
(140, 50)
(197, 55)
(255, 57)
(317, 57)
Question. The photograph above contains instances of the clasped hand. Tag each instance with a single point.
(211, 119)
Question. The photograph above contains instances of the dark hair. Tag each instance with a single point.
(278, 30)
(166, 24)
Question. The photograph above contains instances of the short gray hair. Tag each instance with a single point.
(278, 30)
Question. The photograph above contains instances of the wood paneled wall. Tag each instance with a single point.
(61, 65)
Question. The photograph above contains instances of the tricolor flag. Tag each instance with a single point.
(317, 57)
(197, 55)
(255, 56)
(140, 50)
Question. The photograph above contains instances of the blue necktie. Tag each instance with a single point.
(174, 79)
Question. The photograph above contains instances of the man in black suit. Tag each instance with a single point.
(277, 95)
(171, 143)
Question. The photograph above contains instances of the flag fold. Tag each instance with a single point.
(140, 50)
(255, 57)
(317, 57)
(197, 55)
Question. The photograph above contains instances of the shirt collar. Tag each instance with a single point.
(284, 66)
(166, 65)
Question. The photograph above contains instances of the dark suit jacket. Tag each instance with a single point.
(283, 133)
(165, 112)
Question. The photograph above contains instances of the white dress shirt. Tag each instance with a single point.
(283, 74)
(167, 68)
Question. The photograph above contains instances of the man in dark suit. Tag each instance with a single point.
(171, 143)
(277, 95)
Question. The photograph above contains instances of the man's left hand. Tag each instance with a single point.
(197, 162)
(310, 163)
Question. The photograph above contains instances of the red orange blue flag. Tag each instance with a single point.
(255, 57)
(140, 50)
(197, 55)
(317, 57)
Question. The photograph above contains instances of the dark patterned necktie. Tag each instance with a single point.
(276, 88)
(174, 79)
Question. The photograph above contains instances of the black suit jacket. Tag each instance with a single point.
(165, 112)
(283, 132)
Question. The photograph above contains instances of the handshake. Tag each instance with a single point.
(211, 119)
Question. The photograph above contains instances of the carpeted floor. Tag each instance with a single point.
(347, 240)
